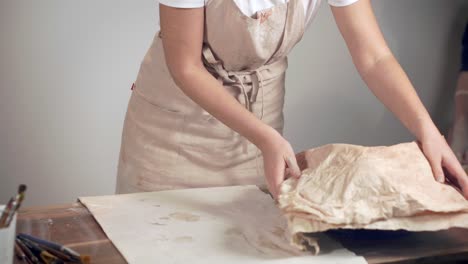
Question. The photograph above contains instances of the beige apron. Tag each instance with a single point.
(170, 142)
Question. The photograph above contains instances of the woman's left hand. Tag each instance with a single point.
(440, 157)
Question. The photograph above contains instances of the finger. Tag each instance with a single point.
(269, 186)
(293, 167)
(277, 177)
(455, 169)
(436, 166)
(288, 174)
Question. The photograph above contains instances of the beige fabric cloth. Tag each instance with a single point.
(169, 142)
(356, 187)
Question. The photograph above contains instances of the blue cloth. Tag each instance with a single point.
(464, 58)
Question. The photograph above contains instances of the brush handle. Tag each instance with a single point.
(29, 254)
(16, 205)
(6, 213)
(52, 245)
(19, 252)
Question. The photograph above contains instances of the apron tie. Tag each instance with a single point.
(247, 99)
(238, 78)
(257, 83)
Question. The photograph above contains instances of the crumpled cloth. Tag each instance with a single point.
(355, 187)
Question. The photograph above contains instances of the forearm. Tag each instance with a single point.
(459, 131)
(379, 68)
(461, 97)
(198, 84)
(389, 83)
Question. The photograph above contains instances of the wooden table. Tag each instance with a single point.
(71, 225)
(74, 226)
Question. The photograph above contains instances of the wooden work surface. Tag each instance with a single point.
(74, 226)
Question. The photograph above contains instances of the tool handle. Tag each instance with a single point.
(29, 254)
(19, 252)
(16, 205)
(6, 212)
(51, 245)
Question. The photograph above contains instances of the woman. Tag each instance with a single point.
(210, 93)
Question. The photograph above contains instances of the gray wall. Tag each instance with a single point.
(66, 68)
(327, 102)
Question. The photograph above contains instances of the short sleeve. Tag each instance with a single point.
(341, 2)
(183, 3)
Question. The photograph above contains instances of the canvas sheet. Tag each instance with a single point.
(239, 224)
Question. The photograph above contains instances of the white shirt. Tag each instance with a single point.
(250, 7)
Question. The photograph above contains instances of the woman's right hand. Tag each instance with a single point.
(279, 161)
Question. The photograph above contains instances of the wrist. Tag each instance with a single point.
(264, 136)
(425, 129)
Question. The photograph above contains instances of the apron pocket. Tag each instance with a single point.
(209, 143)
(152, 134)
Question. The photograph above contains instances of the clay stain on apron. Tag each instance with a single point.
(187, 217)
(263, 16)
(183, 239)
(233, 231)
